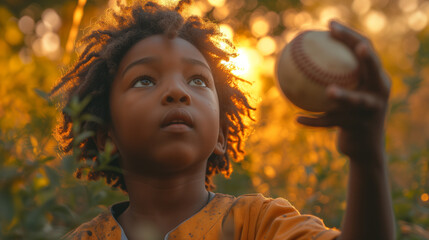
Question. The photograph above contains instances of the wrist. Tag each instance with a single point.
(361, 145)
(368, 159)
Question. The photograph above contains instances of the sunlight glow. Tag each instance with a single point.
(260, 27)
(50, 42)
(269, 171)
(361, 6)
(424, 197)
(268, 66)
(241, 63)
(41, 28)
(203, 6)
(51, 19)
(303, 19)
(167, 2)
(227, 31)
(217, 3)
(273, 18)
(77, 17)
(26, 24)
(193, 10)
(329, 13)
(288, 17)
(221, 13)
(408, 5)
(375, 21)
(247, 65)
(417, 21)
(266, 46)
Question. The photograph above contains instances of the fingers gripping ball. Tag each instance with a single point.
(309, 63)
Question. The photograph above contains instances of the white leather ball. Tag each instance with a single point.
(309, 63)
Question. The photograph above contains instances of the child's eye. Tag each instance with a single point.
(144, 81)
(198, 81)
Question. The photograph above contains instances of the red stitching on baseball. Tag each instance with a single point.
(313, 71)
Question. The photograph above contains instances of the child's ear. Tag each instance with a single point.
(101, 137)
(221, 144)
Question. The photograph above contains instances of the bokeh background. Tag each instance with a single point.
(40, 198)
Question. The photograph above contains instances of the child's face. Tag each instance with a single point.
(164, 108)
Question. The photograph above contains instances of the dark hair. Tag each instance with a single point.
(105, 45)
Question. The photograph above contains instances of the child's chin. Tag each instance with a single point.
(178, 159)
(169, 159)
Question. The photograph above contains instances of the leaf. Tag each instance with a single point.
(83, 136)
(91, 118)
(42, 94)
(46, 159)
(109, 168)
(78, 106)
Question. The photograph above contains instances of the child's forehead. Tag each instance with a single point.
(161, 48)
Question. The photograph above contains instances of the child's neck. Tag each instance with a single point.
(163, 202)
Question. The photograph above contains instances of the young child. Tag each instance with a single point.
(174, 114)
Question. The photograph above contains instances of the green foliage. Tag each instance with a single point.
(39, 197)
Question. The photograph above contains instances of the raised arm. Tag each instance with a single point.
(361, 121)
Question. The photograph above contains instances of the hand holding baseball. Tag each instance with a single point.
(360, 112)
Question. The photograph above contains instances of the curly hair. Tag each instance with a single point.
(104, 47)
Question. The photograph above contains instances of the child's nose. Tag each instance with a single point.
(176, 94)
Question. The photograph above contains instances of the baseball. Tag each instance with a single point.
(309, 63)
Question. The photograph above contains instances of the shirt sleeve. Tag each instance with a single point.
(278, 219)
(257, 217)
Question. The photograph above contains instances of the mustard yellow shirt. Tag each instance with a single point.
(225, 217)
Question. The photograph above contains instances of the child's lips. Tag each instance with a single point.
(176, 128)
(177, 119)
